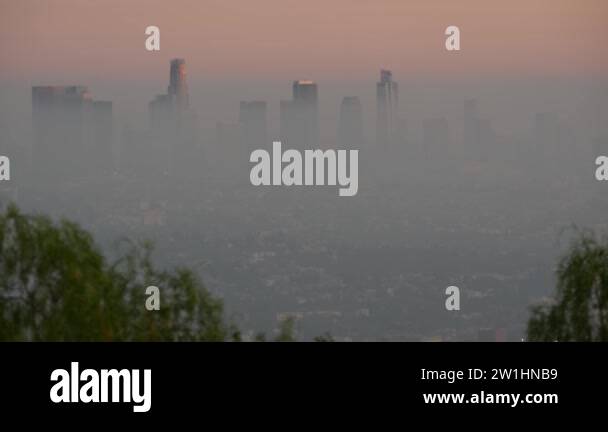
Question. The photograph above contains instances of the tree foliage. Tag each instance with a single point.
(55, 284)
(580, 309)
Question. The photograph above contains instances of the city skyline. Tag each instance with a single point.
(83, 130)
(253, 51)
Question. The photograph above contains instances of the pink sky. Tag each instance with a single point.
(84, 40)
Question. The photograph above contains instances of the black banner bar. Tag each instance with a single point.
(249, 378)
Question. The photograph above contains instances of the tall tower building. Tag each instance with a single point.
(159, 110)
(59, 119)
(173, 146)
(305, 93)
(306, 102)
(300, 116)
(350, 129)
(387, 100)
(178, 88)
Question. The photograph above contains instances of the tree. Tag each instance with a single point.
(326, 337)
(286, 330)
(55, 284)
(580, 309)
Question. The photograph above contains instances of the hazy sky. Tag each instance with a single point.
(57, 40)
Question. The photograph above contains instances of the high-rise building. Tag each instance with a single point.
(305, 93)
(59, 121)
(300, 116)
(178, 88)
(252, 118)
(174, 146)
(159, 110)
(387, 101)
(350, 129)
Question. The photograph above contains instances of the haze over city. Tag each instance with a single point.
(473, 165)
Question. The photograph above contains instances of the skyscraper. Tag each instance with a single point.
(178, 88)
(305, 92)
(159, 110)
(174, 143)
(59, 118)
(300, 116)
(163, 129)
(387, 101)
(350, 129)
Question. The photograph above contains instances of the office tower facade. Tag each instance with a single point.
(162, 132)
(252, 118)
(300, 116)
(350, 129)
(60, 121)
(178, 88)
(387, 106)
(173, 143)
(159, 110)
(305, 92)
